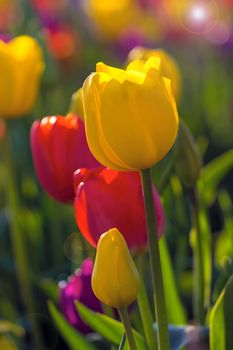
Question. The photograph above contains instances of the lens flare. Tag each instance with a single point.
(199, 17)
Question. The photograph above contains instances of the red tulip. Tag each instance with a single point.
(107, 198)
(59, 147)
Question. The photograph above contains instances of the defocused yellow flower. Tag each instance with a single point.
(169, 68)
(76, 105)
(115, 280)
(7, 344)
(112, 17)
(130, 115)
(21, 66)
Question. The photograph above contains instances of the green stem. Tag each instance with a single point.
(18, 242)
(155, 263)
(198, 260)
(145, 309)
(128, 330)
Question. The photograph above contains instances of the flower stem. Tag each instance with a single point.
(128, 329)
(155, 263)
(122, 344)
(145, 309)
(18, 242)
(198, 260)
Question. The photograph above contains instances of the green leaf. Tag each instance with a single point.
(214, 172)
(206, 252)
(223, 248)
(221, 321)
(175, 310)
(107, 327)
(73, 338)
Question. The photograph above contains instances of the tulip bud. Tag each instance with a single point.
(188, 162)
(115, 280)
(76, 105)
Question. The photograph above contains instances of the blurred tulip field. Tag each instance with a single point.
(116, 174)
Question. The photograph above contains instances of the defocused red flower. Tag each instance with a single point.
(62, 41)
(107, 198)
(59, 147)
(51, 7)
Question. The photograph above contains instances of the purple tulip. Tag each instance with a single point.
(78, 287)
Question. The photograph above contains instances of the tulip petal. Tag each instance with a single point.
(91, 101)
(138, 121)
(7, 80)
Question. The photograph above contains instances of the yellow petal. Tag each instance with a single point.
(91, 103)
(7, 81)
(139, 122)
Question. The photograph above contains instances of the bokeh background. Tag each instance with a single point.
(74, 35)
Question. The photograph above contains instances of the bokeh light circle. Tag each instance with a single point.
(73, 248)
(220, 34)
(199, 16)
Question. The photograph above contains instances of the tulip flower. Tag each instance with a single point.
(59, 147)
(112, 17)
(107, 198)
(130, 115)
(115, 280)
(169, 68)
(21, 66)
(78, 287)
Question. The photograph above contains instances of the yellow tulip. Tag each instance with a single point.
(169, 68)
(21, 66)
(7, 344)
(76, 106)
(112, 17)
(130, 115)
(115, 280)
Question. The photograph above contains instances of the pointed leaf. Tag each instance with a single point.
(109, 328)
(175, 310)
(221, 321)
(214, 172)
